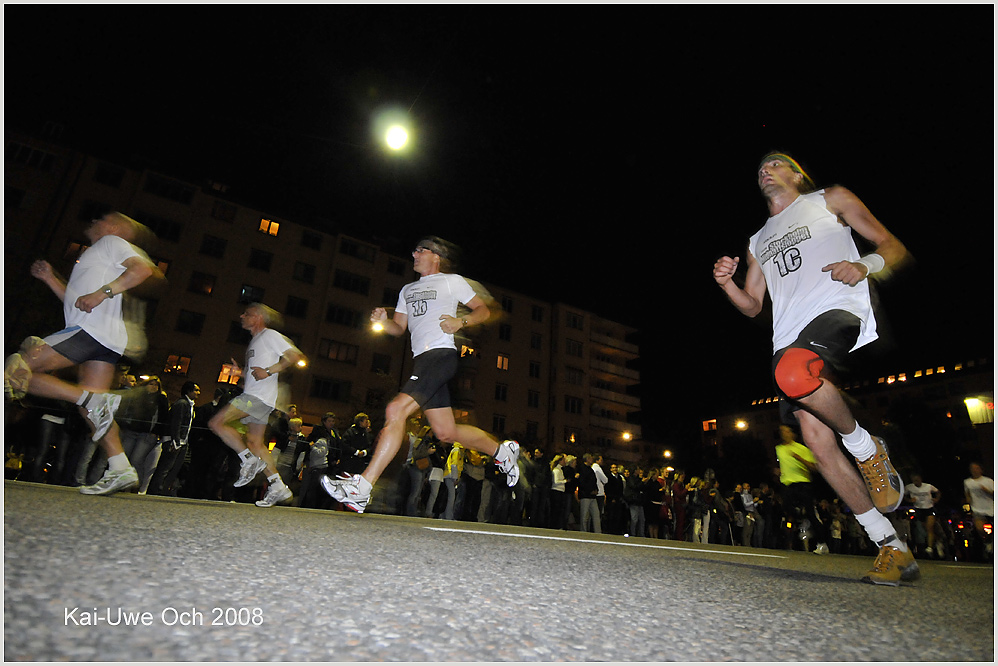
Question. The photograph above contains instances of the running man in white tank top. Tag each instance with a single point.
(428, 309)
(806, 259)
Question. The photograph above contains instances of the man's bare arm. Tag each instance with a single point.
(749, 300)
(848, 207)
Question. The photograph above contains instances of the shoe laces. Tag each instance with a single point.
(885, 560)
(875, 469)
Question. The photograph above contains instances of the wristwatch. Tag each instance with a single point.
(107, 290)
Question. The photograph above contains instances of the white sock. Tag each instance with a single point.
(83, 398)
(274, 479)
(246, 455)
(364, 485)
(118, 463)
(859, 443)
(879, 528)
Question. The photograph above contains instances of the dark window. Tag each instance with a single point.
(213, 246)
(311, 239)
(304, 272)
(109, 174)
(336, 314)
(354, 249)
(190, 322)
(251, 294)
(260, 260)
(352, 282)
(164, 228)
(330, 389)
(201, 283)
(296, 307)
(173, 190)
(224, 211)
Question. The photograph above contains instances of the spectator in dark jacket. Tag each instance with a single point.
(358, 441)
(589, 520)
(175, 444)
(142, 418)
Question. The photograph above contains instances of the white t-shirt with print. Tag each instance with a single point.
(425, 301)
(792, 249)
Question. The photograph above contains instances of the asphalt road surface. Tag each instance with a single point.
(130, 578)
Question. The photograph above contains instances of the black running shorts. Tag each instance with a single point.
(831, 336)
(431, 371)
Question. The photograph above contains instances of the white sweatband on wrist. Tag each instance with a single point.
(874, 263)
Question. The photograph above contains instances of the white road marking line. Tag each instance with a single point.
(608, 543)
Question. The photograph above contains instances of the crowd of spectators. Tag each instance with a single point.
(49, 443)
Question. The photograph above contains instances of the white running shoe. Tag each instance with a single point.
(248, 471)
(276, 493)
(112, 482)
(100, 411)
(347, 491)
(506, 457)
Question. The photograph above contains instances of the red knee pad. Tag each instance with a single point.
(798, 372)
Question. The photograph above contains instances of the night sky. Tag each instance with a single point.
(597, 155)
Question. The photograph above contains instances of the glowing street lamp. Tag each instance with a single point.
(391, 127)
(396, 137)
(627, 436)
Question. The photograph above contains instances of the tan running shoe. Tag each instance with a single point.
(16, 377)
(882, 480)
(892, 566)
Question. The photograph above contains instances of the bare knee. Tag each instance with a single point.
(399, 409)
(217, 422)
(446, 435)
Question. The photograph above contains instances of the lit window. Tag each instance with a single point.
(229, 374)
(710, 425)
(502, 362)
(269, 227)
(177, 365)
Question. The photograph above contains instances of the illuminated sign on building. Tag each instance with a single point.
(981, 409)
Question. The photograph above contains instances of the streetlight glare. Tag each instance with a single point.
(392, 128)
(396, 137)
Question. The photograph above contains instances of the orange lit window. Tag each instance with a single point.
(229, 374)
(269, 227)
(176, 364)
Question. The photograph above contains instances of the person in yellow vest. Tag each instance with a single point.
(452, 472)
(796, 466)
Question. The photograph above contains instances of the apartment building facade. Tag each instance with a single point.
(548, 373)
